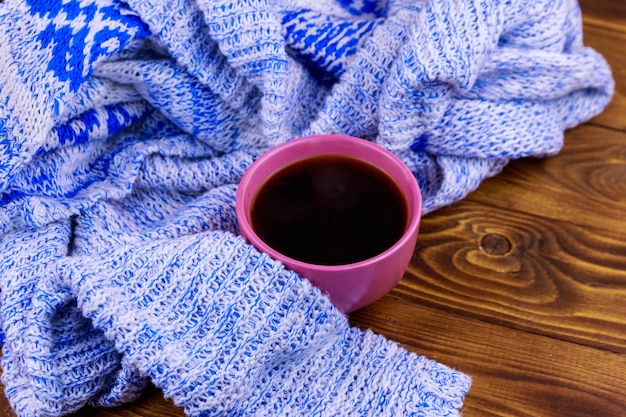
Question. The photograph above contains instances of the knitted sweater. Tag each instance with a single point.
(125, 128)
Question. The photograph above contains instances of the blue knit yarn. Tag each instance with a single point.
(126, 127)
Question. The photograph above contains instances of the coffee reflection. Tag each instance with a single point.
(329, 210)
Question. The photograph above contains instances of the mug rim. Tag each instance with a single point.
(243, 214)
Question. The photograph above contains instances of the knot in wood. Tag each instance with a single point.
(495, 244)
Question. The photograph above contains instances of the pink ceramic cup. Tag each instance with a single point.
(354, 285)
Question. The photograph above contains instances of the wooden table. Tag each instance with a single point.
(522, 284)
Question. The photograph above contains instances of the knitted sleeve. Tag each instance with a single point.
(224, 330)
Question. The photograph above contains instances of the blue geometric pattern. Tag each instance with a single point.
(125, 129)
(322, 42)
(360, 7)
(105, 30)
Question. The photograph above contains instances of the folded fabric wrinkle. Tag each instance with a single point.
(125, 128)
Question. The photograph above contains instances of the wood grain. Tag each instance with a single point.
(585, 184)
(514, 373)
(610, 14)
(523, 271)
(610, 43)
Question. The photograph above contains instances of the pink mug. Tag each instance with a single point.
(350, 286)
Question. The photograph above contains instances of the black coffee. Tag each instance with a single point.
(329, 210)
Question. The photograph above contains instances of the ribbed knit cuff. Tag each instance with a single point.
(224, 330)
(368, 375)
(361, 374)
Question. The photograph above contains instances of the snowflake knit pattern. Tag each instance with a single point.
(125, 128)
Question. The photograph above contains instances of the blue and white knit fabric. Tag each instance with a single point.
(125, 128)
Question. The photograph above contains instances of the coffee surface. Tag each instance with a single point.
(329, 210)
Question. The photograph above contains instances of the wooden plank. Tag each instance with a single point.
(515, 373)
(5, 408)
(610, 43)
(608, 13)
(523, 271)
(584, 184)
